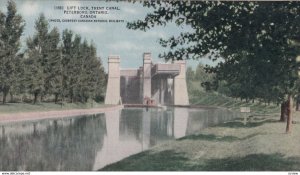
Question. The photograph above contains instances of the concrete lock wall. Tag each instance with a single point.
(147, 65)
(163, 83)
(180, 89)
(162, 90)
(113, 84)
(130, 86)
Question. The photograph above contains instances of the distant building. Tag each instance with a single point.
(154, 84)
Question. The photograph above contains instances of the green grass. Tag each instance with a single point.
(170, 160)
(200, 97)
(29, 107)
(167, 160)
(252, 162)
(240, 124)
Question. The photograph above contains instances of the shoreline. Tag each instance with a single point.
(40, 115)
(58, 113)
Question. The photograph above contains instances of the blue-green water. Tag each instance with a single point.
(88, 143)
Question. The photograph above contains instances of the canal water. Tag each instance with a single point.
(88, 143)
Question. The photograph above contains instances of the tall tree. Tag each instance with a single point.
(76, 72)
(190, 74)
(100, 76)
(84, 76)
(84, 83)
(39, 48)
(41, 41)
(2, 51)
(67, 63)
(34, 73)
(53, 84)
(11, 29)
(95, 73)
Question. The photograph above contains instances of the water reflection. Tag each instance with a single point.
(180, 122)
(53, 145)
(92, 142)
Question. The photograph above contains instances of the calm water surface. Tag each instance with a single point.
(91, 142)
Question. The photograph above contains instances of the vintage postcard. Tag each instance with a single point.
(119, 85)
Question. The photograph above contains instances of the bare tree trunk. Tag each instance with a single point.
(283, 114)
(11, 97)
(4, 98)
(35, 98)
(56, 98)
(289, 116)
(62, 101)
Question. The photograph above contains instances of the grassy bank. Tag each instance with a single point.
(29, 107)
(215, 99)
(258, 145)
(198, 96)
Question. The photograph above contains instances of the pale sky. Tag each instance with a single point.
(109, 38)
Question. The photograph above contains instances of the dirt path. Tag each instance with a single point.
(25, 116)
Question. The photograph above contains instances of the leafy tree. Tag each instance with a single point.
(96, 74)
(38, 52)
(100, 79)
(53, 84)
(90, 74)
(84, 83)
(18, 83)
(84, 75)
(202, 74)
(34, 72)
(190, 74)
(48, 67)
(67, 64)
(11, 29)
(41, 41)
(2, 51)
(44, 71)
(255, 39)
(80, 78)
